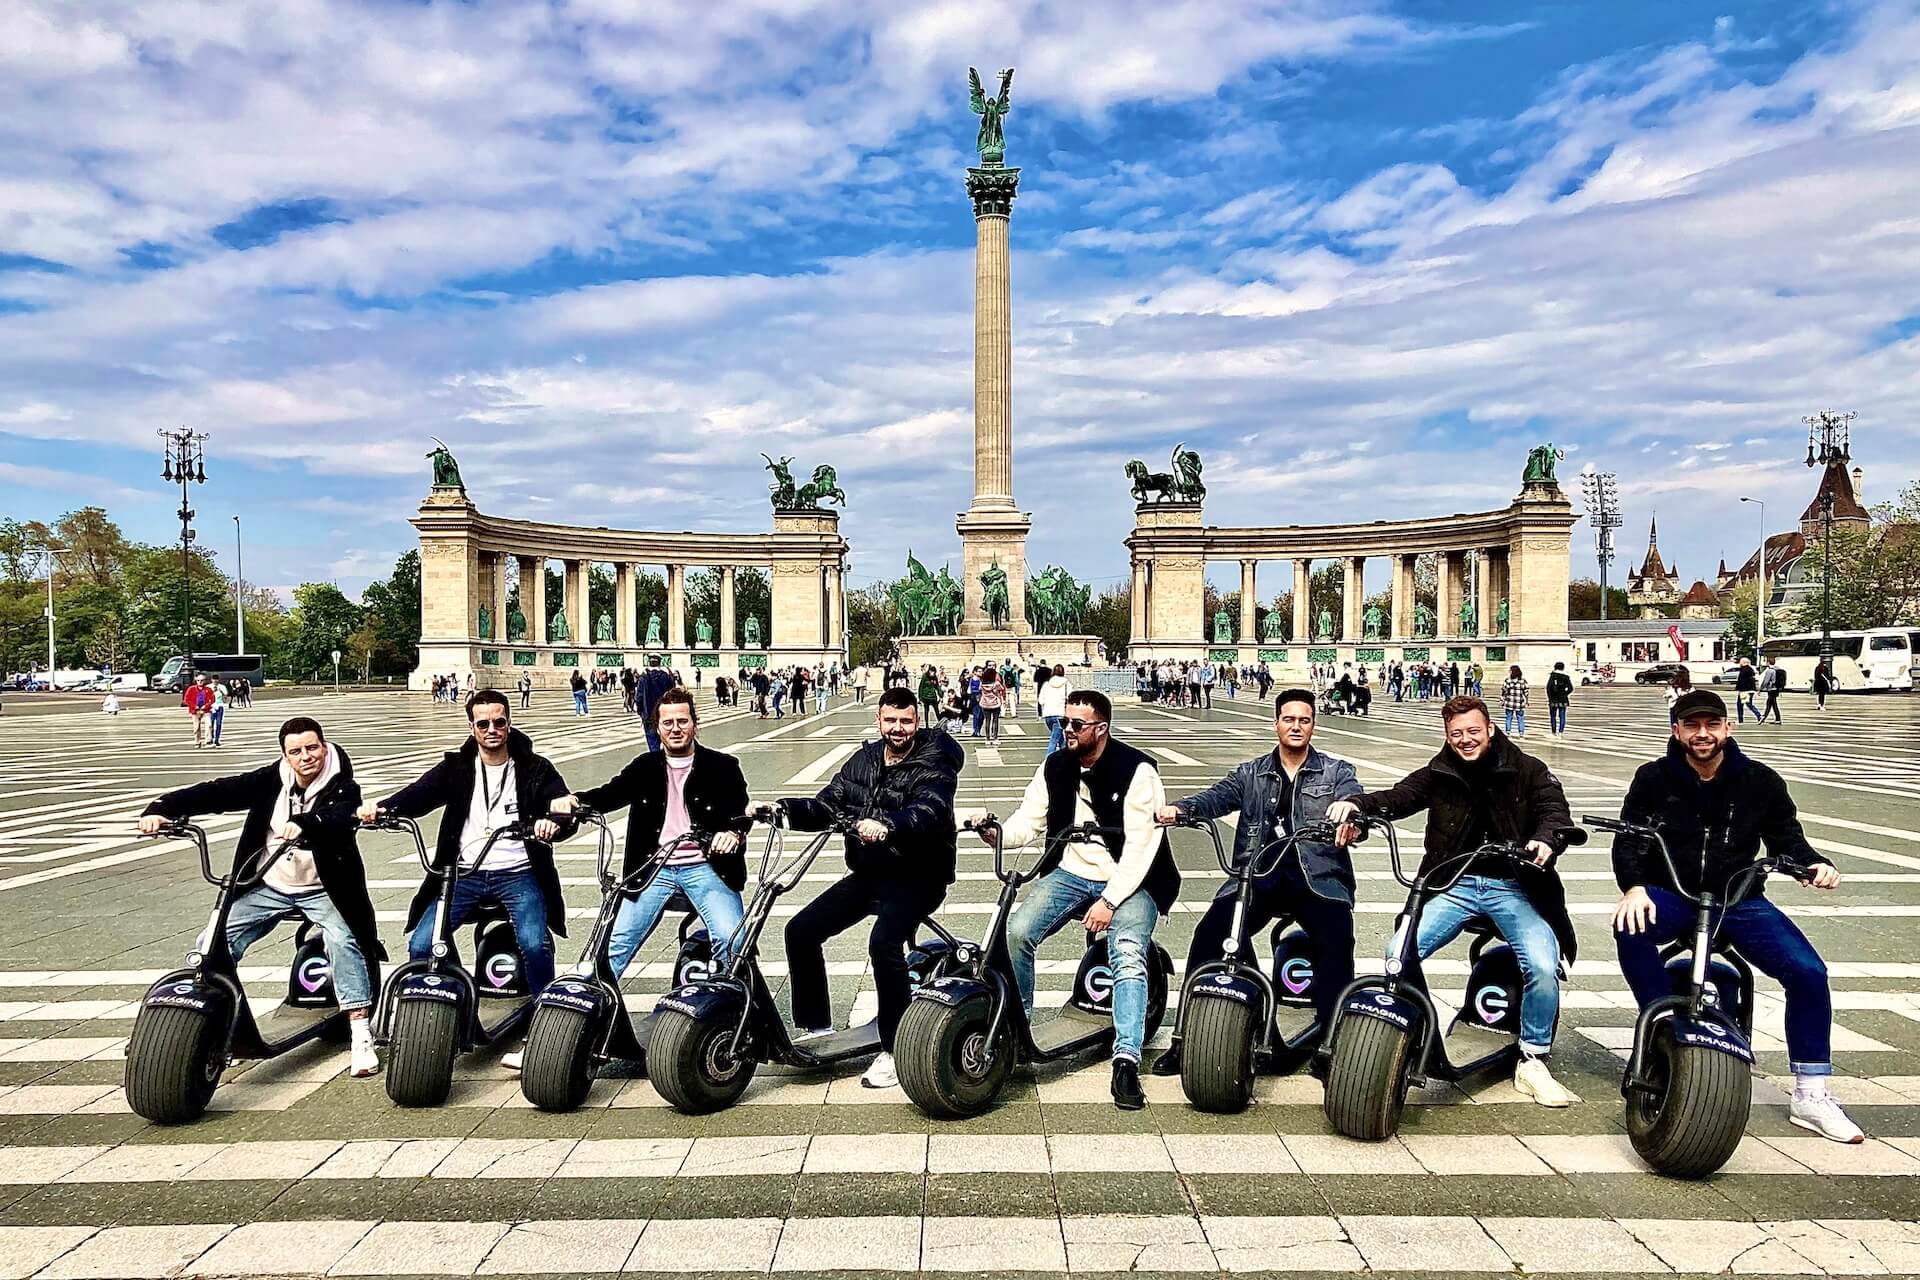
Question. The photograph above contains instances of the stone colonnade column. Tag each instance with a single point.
(1137, 602)
(626, 599)
(497, 596)
(676, 637)
(1483, 603)
(1452, 589)
(1401, 627)
(1353, 597)
(1302, 606)
(1249, 599)
(728, 637)
(834, 588)
(533, 597)
(575, 602)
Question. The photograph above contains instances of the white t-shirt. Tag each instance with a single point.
(494, 805)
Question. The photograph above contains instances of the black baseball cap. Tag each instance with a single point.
(1698, 702)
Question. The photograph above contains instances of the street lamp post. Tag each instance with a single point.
(336, 671)
(1827, 443)
(50, 551)
(185, 460)
(1601, 492)
(239, 594)
(1766, 586)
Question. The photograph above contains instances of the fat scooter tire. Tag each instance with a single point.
(929, 1053)
(1367, 1078)
(174, 1060)
(1216, 1065)
(688, 1063)
(556, 1071)
(426, 1036)
(1691, 1125)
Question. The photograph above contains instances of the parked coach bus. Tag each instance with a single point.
(1884, 658)
(178, 671)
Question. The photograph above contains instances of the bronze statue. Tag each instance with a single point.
(446, 471)
(516, 625)
(753, 631)
(1373, 623)
(653, 631)
(1157, 483)
(1325, 631)
(486, 623)
(782, 486)
(1501, 618)
(1186, 475)
(1422, 622)
(992, 142)
(823, 486)
(557, 630)
(918, 600)
(1222, 627)
(1270, 626)
(1468, 617)
(993, 595)
(603, 630)
(1540, 463)
(702, 632)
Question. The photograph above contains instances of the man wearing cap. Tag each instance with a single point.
(1715, 805)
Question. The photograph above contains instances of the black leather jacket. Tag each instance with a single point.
(913, 798)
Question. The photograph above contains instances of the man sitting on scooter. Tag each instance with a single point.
(493, 780)
(1276, 794)
(1480, 788)
(1123, 887)
(673, 793)
(900, 856)
(308, 797)
(1716, 805)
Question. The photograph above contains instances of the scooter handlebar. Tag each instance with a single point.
(182, 829)
(385, 821)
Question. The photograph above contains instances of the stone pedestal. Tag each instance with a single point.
(952, 652)
(987, 538)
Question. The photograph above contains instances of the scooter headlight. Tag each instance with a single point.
(194, 958)
(440, 950)
(584, 969)
(964, 955)
(1393, 968)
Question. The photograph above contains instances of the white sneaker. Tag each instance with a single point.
(1824, 1115)
(364, 1061)
(813, 1033)
(881, 1074)
(1532, 1078)
(511, 1061)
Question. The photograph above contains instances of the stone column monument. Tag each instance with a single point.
(992, 529)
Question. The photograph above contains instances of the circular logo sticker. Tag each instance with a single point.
(313, 973)
(1098, 985)
(1296, 975)
(501, 968)
(1491, 1003)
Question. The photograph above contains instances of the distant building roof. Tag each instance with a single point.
(1699, 593)
(1846, 504)
(1647, 628)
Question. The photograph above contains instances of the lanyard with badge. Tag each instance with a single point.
(490, 799)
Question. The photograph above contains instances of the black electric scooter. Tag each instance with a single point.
(1386, 1037)
(1689, 1080)
(581, 1022)
(197, 1019)
(1234, 1020)
(966, 1029)
(429, 1012)
(708, 1036)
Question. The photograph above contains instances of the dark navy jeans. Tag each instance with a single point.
(1771, 943)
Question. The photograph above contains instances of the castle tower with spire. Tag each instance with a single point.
(1656, 583)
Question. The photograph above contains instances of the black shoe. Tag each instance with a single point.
(1168, 1063)
(1127, 1094)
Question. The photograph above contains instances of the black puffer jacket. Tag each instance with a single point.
(1744, 805)
(1525, 802)
(913, 798)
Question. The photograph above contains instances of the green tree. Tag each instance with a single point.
(323, 620)
(1743, 620)
(1110, 618)
(1583, 601)
(393, 618)
(1875, 571)
(155, 630)
(872, 623)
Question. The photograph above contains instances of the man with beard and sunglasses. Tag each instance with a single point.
(492, 780)
(1715, 806)
(1120, 886)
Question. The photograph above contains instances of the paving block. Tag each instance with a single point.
(136, 1253)
(1229, 1153)
(1396, 1243)
(987, 1153)
(1109, 1153)
(1555, 1244)
(24, 1250)
(280, 1249)
(1002, 1244)
(1282, 1244)
(704, 1244)
(399, 1248)
(867, 1153)
(626, 1158)
(572, 1247)
(849, 1244)
(1136, 1242)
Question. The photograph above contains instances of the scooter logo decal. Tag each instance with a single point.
(500, 969)
(1491, 1003)
(313, 973)
(1099, 984)
(1383, 999)
(1296, 975)
(432, 980)
(694, 970)
(182, 988)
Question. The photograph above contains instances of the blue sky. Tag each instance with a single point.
(1360, 256)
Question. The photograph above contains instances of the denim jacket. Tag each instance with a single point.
(1253, 789)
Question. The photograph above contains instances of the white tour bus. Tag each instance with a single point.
(1881, 659)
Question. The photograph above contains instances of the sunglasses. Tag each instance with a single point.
(1079, 726)
(484, 725)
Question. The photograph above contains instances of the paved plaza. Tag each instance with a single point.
(300, 1170)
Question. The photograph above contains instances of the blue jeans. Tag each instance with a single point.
(214, 718)
(1771, 943)
(1059, 898)
(1516, 724)
(579, 702)
(1056, 733)
(520, 894)
(1531, 938)
(1557, 717)
(255, 912)
(718, 905)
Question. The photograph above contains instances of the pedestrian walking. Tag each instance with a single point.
(578, 683)
(218, 715)
(198, 700)
(1513, 701)
(993, 697)
(1772, 681)
(1745, 682)
(1559, 694)
(526, 690)
(1822, 684)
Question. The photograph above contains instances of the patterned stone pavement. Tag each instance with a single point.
(302, 1171)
